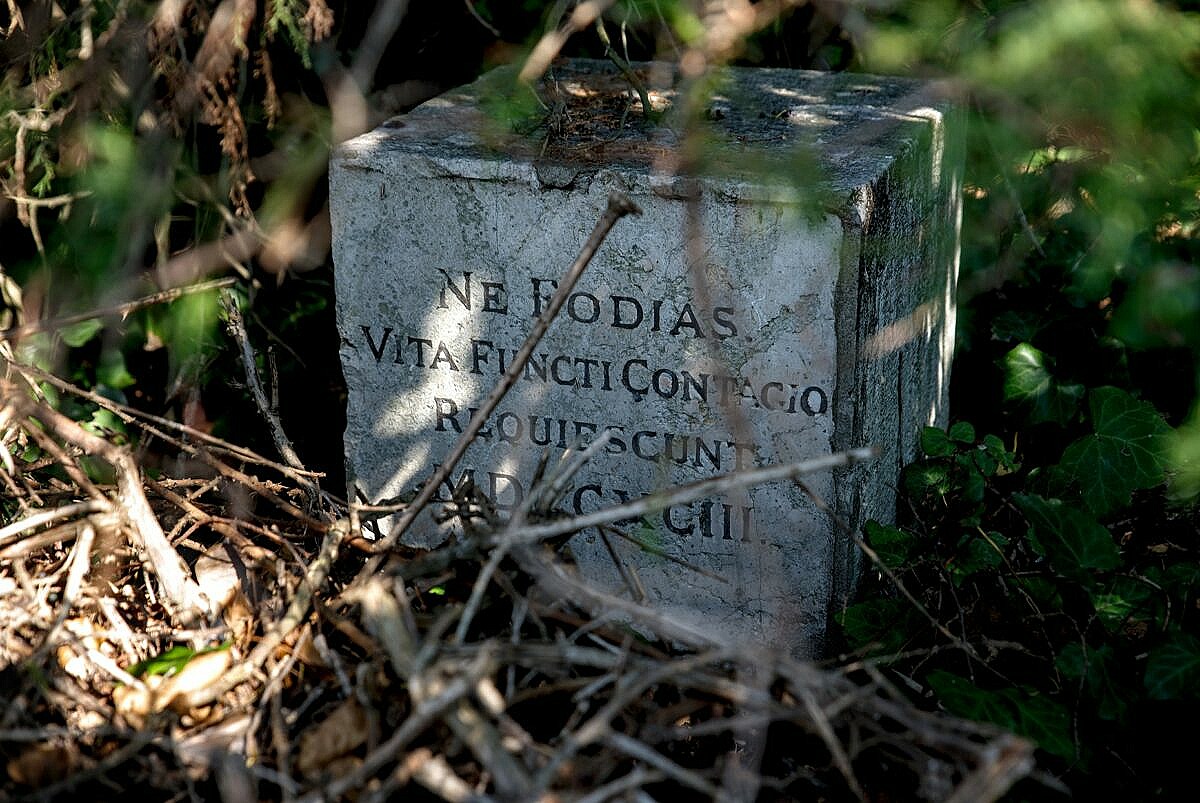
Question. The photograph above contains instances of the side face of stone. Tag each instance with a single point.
(446, 251)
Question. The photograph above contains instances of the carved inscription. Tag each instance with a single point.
(594, 373)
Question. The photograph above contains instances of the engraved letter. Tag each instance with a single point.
(478, 354)
(675, 528)
(377, 351)
(463, 296)
(806, 401)
(447, 410)
(621, 323)
(538, 296)
(494, 298)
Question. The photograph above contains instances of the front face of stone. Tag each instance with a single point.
(439, 281)
(808, 332)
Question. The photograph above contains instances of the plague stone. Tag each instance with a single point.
(820, 319)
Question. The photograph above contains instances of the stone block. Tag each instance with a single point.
(824, 320)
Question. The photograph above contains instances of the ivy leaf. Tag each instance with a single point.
(171, 661)
(1072, 539)
(1036, 716)
(963, 432)
(975, 554)
(77, 334)
(1173, 670)
(1096, 664)
(1044, 591)
(1029, 383)
(1127, 451)
(106, 424)
(1045, 721)
(893, 545)
(927, 478)
(1126, 601)
(1013, 325)
(963, 698)
(112, 371)
(882, 624)
(935, 443)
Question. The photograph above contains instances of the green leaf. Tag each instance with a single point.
(77, 334)
(927, 477)
(1173, 671)
(1006, 461)
(171, 661)
(1033, 715)
(1029, 383)
(1073, 540)
(935, 442)
(38, 350)
(1017, 325)
(963, 432)
(1182, 578)
(97, 470)
(105, 424)
(112, 371)
(167, 663)
(973, 485)
(893, 545)
(881, 624)
(1126, 452)
(963, 698)
(977, 554)
(1044, 592)
(1045, 721)
(1126, 600)
(1075, 662)
(991, 459)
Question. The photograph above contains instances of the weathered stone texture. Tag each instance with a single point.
(825, 322)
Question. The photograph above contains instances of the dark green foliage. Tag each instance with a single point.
(1030, 714)
(1060, 557)
(1030, 383)
(1173, 670)
(1079, 622)
(1125, 453)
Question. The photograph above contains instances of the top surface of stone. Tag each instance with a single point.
(853, 124)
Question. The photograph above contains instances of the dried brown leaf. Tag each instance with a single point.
(42, 764)
(340, 732)
(196, 676)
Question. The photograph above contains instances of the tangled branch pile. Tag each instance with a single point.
(212, 631)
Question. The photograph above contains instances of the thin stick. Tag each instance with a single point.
(688, 493)
(659, 552)
(618, 207)
(632, 747)
(120, 310)
(552, 41)
(80, 562)
(613, 790)
(47, 516)
(237, 330)
(543, 495)
(475, 13)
